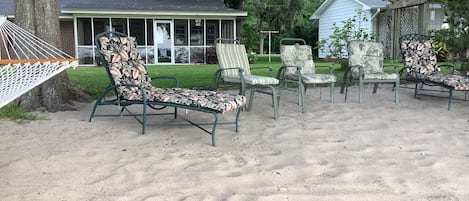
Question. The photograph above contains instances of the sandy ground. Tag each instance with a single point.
(377, 150)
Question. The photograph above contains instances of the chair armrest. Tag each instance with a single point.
(167, 77)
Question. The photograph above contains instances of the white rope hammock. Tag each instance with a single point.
(26, 61)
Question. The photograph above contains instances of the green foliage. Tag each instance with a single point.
(289, 17)
(17, 114)
(349, 29)
(439, 44)
(252, 57)
(456, 38)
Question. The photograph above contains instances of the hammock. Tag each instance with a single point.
(26, 61)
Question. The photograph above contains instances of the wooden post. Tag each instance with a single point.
(423, 18)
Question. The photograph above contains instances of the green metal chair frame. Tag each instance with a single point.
(366, 66)
(295, 69)
(421, 68)
(234, 69)
(157, 105)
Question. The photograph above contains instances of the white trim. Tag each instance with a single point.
(147, 13)
(317, 14)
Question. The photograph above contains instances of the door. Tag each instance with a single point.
(164, 46)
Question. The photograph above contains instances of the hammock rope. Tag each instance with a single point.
(26, 61)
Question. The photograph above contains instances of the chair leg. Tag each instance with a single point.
(275, 97)
(360, 92)
(302, 96)
(251, 97)
(144, 120)
(214, 127)
(449, 99)
(396, 91)
(375, 87)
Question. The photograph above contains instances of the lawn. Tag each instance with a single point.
(94, 79)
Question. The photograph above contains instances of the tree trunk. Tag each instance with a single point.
(40, 17)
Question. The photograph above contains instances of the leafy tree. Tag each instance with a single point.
(56, 93)
(349, 29)
(457, 36)
(236, 4)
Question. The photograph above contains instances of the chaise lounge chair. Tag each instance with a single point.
(131, 85)
(420, 67)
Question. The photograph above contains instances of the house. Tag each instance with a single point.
(167, 31)
(379, 19)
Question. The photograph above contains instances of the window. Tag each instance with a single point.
(119, 25)
(180, 30)
(137, 30)
(85, 35)
(197, 32)
(212, 31)
(227, 29)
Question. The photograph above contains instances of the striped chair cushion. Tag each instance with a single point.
(232, 56)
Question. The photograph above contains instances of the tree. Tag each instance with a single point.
(349, 29)
(40, 17)
(236, 4)
(457, 36)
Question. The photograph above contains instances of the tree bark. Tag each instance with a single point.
(41, 17)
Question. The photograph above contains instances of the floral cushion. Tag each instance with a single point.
(367, 55)
(288, 55)
(314, 78)
(419, 57)
(126, 67)
(457, 82)
(301, 56)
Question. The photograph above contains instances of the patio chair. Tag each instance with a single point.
(234, 69)
(420, 67)
(130, 85)
(365, 64)
(298, 67)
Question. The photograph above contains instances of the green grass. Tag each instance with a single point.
(17, 114)
(94, 79)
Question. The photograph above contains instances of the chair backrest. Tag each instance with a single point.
(367, 54)
(296, 55)
(123, 64)
(418, 54)
(232, 55)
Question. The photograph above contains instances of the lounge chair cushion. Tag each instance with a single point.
(127, 67)
(233, 55)
(297, 55)
(368, 56)
(253, 79)
(457, 82)
(421, 58)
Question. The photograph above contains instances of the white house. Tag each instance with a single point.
(378, 15)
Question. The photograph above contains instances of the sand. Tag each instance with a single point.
(377, 150)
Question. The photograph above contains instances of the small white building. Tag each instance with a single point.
(378, 15)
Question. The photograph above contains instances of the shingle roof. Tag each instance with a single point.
(7, 7)
(376, 3)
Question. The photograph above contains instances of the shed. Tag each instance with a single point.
(382, 16)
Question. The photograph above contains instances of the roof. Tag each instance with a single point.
(68, 7)
(367, 4)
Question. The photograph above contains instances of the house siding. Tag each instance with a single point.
(338, 11)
